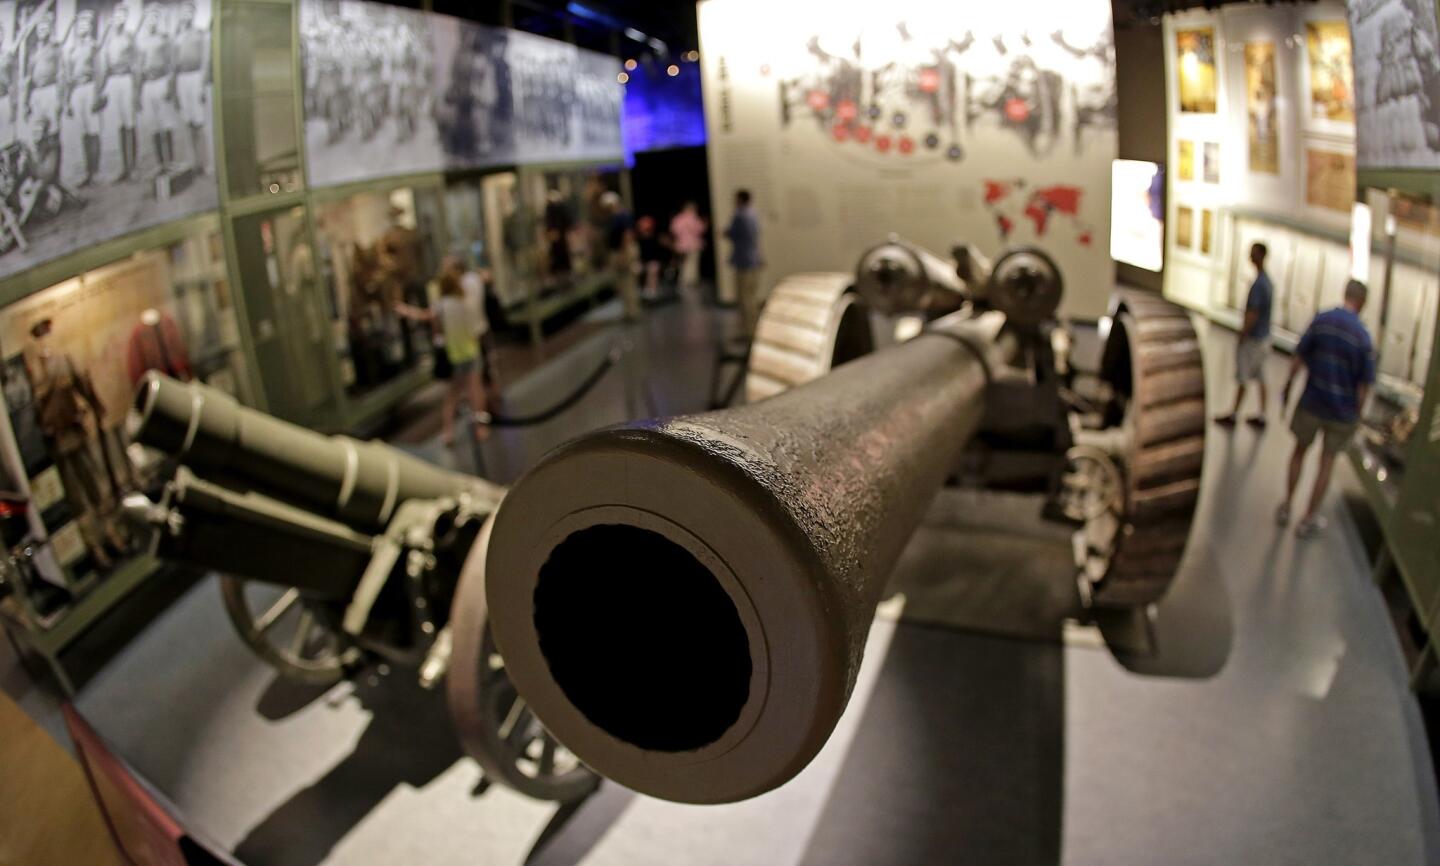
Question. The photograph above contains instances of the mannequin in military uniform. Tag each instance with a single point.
(157, 86)
(192, 77)
(118, 61)
(78, 71)
(70, 413)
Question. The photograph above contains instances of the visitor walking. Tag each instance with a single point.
(652, 255)
(1339, 361)
(687, 230)
(744, 236)
(1253, 350)
(459, 321)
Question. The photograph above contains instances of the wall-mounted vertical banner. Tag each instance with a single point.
(392, 91)
(942, 123)
(104, 122)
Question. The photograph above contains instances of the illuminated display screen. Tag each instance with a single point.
(1137, 213)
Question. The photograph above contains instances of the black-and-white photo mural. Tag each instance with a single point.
(1397, 83)
(105, 122)
(391, 91)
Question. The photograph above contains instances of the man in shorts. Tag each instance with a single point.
(1254, 346)
(1339, 361)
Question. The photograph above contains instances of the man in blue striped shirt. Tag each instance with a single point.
(1339, 361)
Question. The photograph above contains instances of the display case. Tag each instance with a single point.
(544, 238)
(377, 250)
(70, 358)
(1404, 276)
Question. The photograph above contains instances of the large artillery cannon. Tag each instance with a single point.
(683, 603)
(333, 551)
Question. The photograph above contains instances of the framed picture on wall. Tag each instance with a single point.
(1187, 159)
(1184, 227)
(1261, 115)
(1330, 76)
(1195, 65)
(1329, 179)
(1212, 162)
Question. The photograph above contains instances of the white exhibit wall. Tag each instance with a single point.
(1004, 136)
(1274, 205)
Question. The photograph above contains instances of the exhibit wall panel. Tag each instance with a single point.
(1261, 108)
(104, 125)
(942, 124)
(390, 91)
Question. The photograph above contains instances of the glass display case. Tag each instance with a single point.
(377, 250)
(70, 358)
(1404, 306)
(545, 229)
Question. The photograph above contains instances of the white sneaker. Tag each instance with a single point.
(1311, 527)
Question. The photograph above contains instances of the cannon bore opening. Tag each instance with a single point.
(642, 638)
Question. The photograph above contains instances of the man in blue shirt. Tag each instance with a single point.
(1339, 361)
(1254, 346)
(744, 236)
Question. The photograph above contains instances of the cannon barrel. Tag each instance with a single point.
(358, 483)
(684, 603)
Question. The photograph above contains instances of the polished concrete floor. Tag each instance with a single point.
(1264, 719)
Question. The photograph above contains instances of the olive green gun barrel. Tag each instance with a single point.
(250, 535)
(358, 483)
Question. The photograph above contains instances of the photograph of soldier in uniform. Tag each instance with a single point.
(82, 84)
(476, 114)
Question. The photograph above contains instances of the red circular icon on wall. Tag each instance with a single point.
(840, 131)
(907, 144)
(846, 109)
(862, 134)
(1017, 110)
(818, 100)
(882, 143)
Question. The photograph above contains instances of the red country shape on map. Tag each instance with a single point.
(995, 190)
(1052, 199)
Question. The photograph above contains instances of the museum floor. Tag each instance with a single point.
(1269, 722)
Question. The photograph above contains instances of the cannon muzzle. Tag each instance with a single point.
(361, 484)
(684, 603)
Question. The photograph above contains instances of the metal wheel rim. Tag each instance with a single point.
(493, 723)
(288, 632)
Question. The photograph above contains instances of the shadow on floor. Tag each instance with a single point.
(578, 827)
(284, 698)
(408, 741)
(989, 563)
(958, 758)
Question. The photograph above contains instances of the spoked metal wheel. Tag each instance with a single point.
(495, 725)
(296, 636)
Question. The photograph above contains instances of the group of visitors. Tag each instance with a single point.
(1339, 360)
